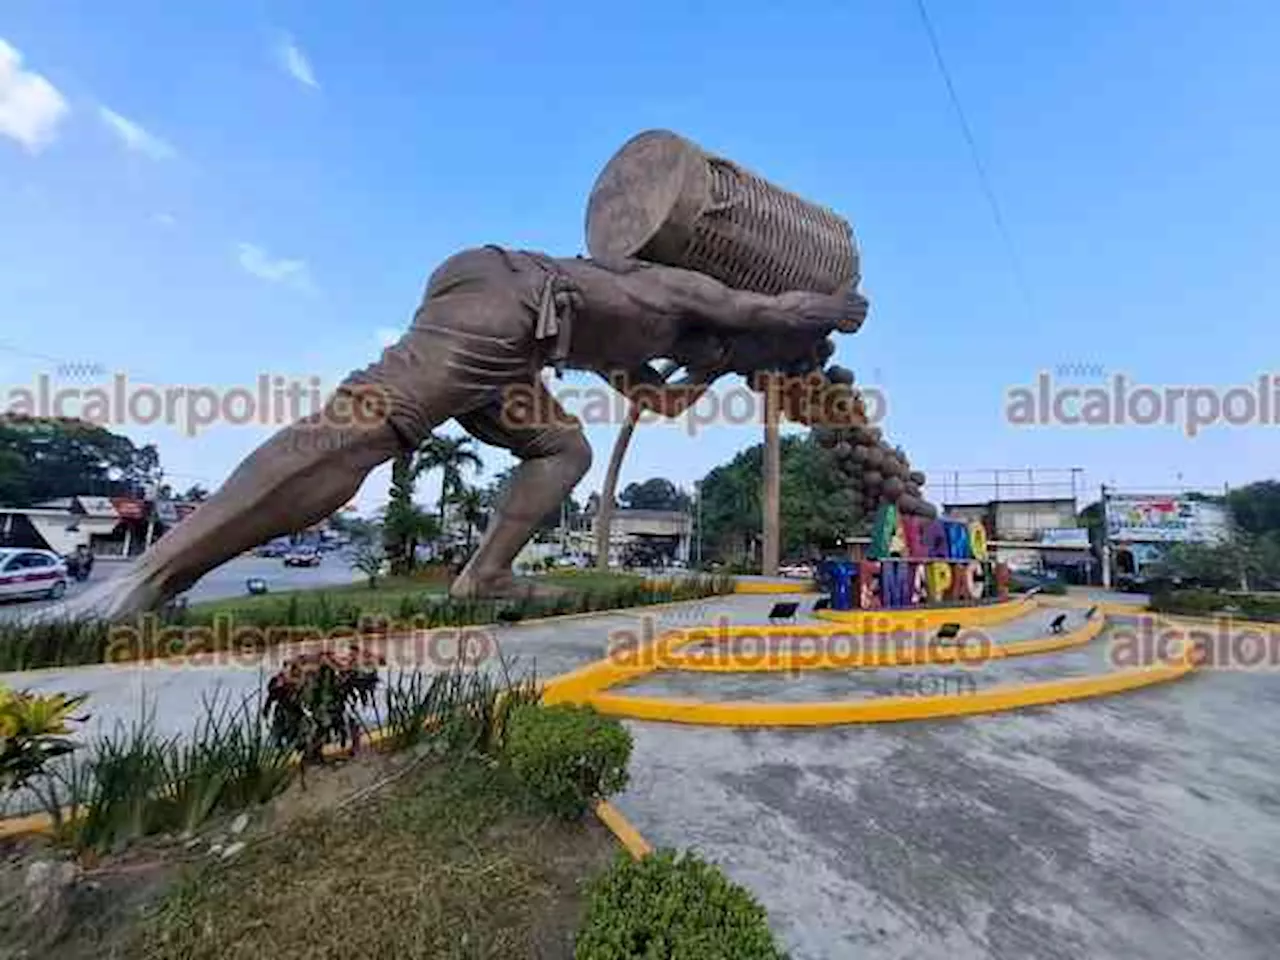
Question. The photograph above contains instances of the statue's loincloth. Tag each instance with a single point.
(487, 322)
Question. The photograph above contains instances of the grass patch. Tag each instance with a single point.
(591, 579)
(1208, 603)
(387, 596)
(447, 864)
(326, 613)
(131, 782)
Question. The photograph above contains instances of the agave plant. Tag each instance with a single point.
(33, 732)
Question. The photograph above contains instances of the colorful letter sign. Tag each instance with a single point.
(939, 561)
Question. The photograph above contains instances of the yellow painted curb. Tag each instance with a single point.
(1107, 607)
(577, 685)
(976, 615)
(621, 828)
(22, 826)
(881, 710)
(934, 652)
(765, 587)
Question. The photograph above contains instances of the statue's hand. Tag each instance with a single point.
(822, 313)
(790, 355)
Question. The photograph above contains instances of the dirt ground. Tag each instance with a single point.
(391, 854)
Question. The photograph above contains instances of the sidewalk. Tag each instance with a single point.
(173, 689)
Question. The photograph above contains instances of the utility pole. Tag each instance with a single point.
(697, 490)
(1106, 542)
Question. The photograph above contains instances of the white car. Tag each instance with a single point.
(797, 571)
(32, 573)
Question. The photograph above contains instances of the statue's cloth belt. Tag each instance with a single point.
(559, 297)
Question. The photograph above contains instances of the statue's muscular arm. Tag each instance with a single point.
(634, 293)
(653, 310)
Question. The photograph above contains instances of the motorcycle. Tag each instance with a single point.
(77, 568)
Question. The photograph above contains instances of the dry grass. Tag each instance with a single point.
(447, 864)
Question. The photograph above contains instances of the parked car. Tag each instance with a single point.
(272, 550)
(302, 557)
(797, 571)
(1021, 581)
(32, 573)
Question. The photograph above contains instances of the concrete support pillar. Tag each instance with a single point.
(771, 494)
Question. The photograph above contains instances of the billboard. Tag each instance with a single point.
(1165, 519)
(1065, 536)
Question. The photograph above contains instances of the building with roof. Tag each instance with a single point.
(109, 526)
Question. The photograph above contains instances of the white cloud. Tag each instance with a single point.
(165, 220)
(135, 137)
(387, 336)
(30, 106)
(255, 261)
(295, 62)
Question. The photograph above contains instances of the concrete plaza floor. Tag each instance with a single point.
(1141, 825)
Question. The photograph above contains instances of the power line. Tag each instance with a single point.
(983, 179)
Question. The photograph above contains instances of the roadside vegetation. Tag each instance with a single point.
(337, 815)
(346, 611)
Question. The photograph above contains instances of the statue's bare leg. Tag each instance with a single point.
(555, 455)
(298, 477)
(311, 469)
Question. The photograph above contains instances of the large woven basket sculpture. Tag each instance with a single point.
(664, 199)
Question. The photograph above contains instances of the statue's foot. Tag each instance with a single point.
(500, 586)
(120, 598)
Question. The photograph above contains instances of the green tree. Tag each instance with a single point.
(449, 455)
(1256, 507)
(404, 523)
(657, 493)
(368, 560)
(816, 504)
(471, 507)
(43, 458)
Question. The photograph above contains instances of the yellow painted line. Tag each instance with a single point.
(621, 828)
(921, 654)
(976, 615)
(618, 667)
(21, 826)
(881, 710)
(1106, 606)
(764, 587)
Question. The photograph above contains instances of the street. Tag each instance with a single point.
(227, 580)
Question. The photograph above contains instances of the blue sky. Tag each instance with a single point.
(198, 194)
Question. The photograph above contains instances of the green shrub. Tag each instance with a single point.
(669, 906)
(1248, 606)
(459, 710)
(308, 615)
(315, 700)
(33, 733)
(567, 756)
(133, 782)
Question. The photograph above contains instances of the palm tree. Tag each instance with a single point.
(471, 506)
(406, 525)
(448, 455)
